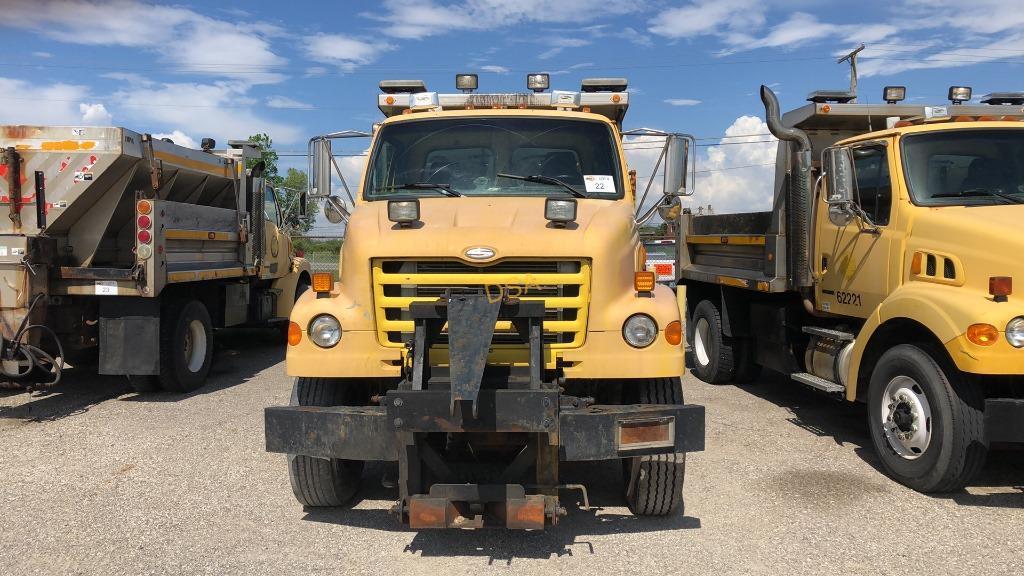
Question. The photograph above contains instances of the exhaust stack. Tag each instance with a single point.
(799, 193)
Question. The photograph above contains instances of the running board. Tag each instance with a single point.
(819, 383)
(829, 333)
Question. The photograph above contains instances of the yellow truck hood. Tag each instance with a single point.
(513, 227)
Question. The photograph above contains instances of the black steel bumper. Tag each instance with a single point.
(596, 432)
(1004, 420)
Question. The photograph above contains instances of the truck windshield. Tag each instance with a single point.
(965, 167)
(506, 156)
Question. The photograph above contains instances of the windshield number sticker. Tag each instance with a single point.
(599, 184)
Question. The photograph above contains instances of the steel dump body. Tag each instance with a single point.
(750, 249)
(99, 217)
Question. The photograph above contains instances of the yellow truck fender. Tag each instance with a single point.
(299, 271)
(939, 309)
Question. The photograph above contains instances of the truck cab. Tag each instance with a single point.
(492, 300)
(883, 275)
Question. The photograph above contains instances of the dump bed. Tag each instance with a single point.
(76, 232)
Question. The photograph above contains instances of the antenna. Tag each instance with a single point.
(852, 57)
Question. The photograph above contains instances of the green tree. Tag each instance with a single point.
(289, 188)
(289, 194)
(269, 157)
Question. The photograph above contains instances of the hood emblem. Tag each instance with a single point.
(479, 253)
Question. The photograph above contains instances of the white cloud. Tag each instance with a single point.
(682, 101)
(345, 52)
(179, 138)
(95, 114)
(495, 69)
(189, 40)
(221, 110)
(735, 175)
(42, 54)
(414, 19)
(703, 17)
(27, 103)
(288, 103)
(560, 44)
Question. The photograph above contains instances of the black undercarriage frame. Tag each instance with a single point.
(433, 409)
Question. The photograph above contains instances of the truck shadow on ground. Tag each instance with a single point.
(238, 356)
(1000, 483)
(608, 515)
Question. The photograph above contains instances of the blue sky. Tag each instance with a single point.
(293, 69)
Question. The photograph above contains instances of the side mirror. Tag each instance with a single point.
(670, 208)
(336, 210)
(841, 185)
(321, 162)
(676, 164)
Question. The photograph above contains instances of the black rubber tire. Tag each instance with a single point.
(175, 318)
(721, 353)
(320, 482)
(654, 484)
(747, 368)
(957, 449)
(144, 384)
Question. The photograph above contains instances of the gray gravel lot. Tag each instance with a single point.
(95, 479)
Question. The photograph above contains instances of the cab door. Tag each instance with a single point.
(852, 257)
(277, 244)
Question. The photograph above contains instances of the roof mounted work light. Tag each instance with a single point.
(604, 85)
(959, 94)
(538, 82)
(402, 86)
(466, 82)
(894, 94)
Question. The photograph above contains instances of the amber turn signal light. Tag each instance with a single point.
(294, 334)
(643, 281)
(323, 282)
(144, 207)
(674, 332)
(982, 334)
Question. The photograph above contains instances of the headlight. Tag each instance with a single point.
(325, 331)
(1015, 332)
(639, 330)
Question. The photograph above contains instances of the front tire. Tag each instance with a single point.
(926, 422)
(321, 481)
(654, 483)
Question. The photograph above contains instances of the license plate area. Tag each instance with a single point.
(645, 433)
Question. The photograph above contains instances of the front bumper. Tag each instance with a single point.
(581, 432)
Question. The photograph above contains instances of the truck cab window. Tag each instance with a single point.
(874, 186)
(270, 211)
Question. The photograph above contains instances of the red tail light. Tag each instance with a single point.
(145, 222)
(145, 237)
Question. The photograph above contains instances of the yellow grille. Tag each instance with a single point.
(563, 286)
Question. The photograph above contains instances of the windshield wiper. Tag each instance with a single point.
(982, 192)
(540, 179)
(445, 189)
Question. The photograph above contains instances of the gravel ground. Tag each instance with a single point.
(97, 480)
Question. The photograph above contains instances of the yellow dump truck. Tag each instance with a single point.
(126, 250)
(493, 317)
(884, 274)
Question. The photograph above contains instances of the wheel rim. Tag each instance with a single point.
(195, 346)
(906, 418)
(702, 335)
